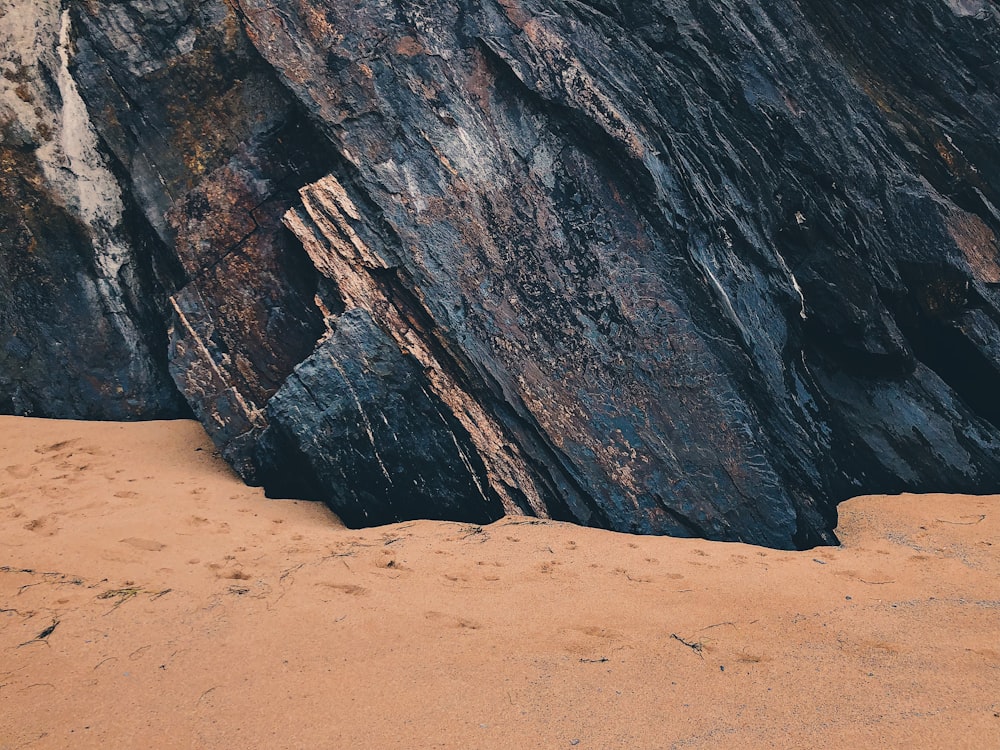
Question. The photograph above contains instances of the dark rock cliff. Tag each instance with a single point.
(668, 267)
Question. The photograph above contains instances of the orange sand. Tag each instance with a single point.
(192, 612)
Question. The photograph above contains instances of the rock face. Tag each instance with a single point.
(665, 267)
(81, 303)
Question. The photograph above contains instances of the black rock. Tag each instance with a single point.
(676, 268)
(372, 437)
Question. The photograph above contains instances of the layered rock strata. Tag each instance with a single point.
(666, 267)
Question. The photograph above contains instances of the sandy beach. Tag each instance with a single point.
(149, 599)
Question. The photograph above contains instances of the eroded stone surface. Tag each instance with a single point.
(667, 267)
(79, 329)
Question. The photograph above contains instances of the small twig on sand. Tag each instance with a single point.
(981, 518)
(41, 637)
(123, 595)
(719, 625)
(595, 661)
(476, 531)
(698, 647)
(289, 571)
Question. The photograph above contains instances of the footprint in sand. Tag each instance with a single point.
(389, 561)
(222, 570)
(20, 472)
(345, 588)
(54, 447)
(149, 545)
(452, 621)
(41, 526)
(596, 631)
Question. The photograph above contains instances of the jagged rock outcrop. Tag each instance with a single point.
(666, 267)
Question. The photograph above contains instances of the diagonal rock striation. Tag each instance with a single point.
(663, 267)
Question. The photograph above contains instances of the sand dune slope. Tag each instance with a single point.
(148, 599)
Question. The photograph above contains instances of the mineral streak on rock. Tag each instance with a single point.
(365, 282)
(666, 267)
(356, 408)
(77, 337)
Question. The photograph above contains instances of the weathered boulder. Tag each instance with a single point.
(355, 411)
(666, 267)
